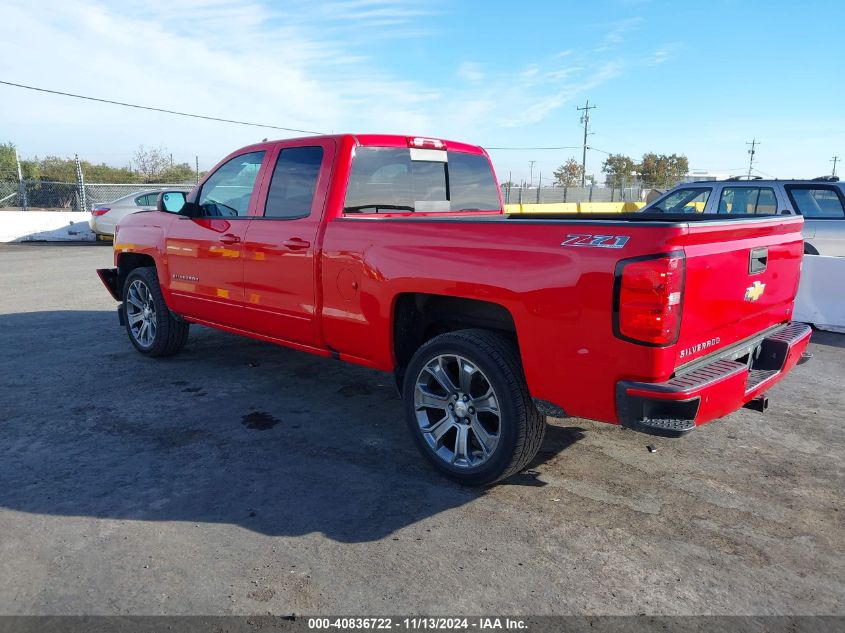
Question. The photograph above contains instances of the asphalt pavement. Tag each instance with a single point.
(244, 478)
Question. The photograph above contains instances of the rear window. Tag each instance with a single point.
(392, 179)
(816, 202)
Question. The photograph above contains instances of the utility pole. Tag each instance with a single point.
(754, 143)
(832, 160)
(197, 158)
(585, 119)
(531, 172)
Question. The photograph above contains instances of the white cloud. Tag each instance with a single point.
(659, 56)
(470, 71)
(618, 32)
(305, 66)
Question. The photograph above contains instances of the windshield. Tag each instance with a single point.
(397, 179)
(684, 201)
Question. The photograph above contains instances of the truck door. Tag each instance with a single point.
(205, 252)
(280, 275)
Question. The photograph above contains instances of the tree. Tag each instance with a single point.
(569, 174)
(8, 166)
(152, 163)
(618, 168)
(661, 170)
(55, 169)
(181, 172)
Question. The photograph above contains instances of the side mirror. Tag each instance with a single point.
(170, 201)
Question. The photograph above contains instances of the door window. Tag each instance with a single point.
(294, 182)
(147, 200)
(228, 190)
(748, 200)
(816, 202)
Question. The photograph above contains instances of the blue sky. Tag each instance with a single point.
(699, 78)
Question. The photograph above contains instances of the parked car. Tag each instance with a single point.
(394, 253)
(104, 217)
(820, 201)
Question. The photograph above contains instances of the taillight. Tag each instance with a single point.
(647, 299)
(96, 211)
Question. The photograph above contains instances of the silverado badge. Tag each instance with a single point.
(754, 291)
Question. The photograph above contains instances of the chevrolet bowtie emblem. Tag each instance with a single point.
(754, 291)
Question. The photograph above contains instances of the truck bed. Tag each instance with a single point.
(561, 296)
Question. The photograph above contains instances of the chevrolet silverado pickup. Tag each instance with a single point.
(393, 252)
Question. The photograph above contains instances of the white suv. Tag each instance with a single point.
(820, 201)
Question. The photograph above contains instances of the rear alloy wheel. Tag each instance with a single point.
(468, 407)
(152, 328)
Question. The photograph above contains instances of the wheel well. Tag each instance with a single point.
(127, 262)
(419, 317)
(809, 249)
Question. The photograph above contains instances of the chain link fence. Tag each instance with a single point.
(545, 195)
(101, 193)
(41, 194)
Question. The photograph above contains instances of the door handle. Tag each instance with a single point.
(296, 244)
(228, 238)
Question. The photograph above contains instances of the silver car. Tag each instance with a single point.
(821, 201)
(104, 217)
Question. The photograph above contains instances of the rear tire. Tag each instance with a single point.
(468, 408)
(151, 327)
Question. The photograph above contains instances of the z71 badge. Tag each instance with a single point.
(596, 241)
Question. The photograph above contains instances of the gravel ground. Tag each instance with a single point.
(244, 478)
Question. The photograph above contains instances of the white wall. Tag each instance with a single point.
(53, 226)
(821, 293)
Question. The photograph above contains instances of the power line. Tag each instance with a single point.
(585, 119)
(536, 148)
(153, 109)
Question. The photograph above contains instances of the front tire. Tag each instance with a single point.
(468, 408)
(151, 327)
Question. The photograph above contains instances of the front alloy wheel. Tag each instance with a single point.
(153, 329)
(141, 313)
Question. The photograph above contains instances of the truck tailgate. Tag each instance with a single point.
(741, 279)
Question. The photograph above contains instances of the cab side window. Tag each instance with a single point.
(294, 183)
(228, 190)
(816, 202)
(748, 200)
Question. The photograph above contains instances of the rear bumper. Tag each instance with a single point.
(712, 390)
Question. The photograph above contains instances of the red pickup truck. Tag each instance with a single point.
(393, 252)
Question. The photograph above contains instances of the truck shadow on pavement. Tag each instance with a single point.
(230, 431)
